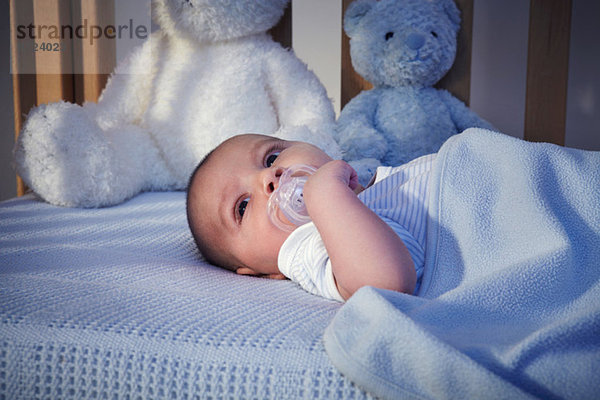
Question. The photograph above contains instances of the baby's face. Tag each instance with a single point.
(231, 192)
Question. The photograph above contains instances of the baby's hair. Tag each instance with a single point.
(195, 234)
(196, 169)
(201, 243)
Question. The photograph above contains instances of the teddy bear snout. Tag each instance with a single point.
(415, 41)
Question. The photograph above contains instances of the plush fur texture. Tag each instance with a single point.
(209, 73)
(403, 47)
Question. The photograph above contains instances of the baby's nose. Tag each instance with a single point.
(269, 188)
(271, 180)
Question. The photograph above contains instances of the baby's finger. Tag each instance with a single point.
(353, 181)
(346, 173)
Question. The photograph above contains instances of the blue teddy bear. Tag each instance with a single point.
(403, 47)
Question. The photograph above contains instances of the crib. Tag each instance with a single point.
(115, 302)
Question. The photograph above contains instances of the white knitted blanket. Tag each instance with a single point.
(115, 303)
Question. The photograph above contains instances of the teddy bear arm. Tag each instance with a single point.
(358, 113)
(356, 130)
(125, 98)
(298, 96)
(300, 101)
(462, 116)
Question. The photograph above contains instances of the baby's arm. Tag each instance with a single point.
(362, 248)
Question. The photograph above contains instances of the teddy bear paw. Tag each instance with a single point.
(365, 169)
(368, 143)
(63, 156)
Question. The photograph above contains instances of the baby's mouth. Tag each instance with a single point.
(285, 206)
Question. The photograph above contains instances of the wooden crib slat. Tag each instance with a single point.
(54, 80)
(92, 62)
(282, 32)
(458, 80)
(352, 83)
(24, 92)
(547, 70)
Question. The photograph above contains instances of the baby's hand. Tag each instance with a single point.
(323, 188)
(362, 248)
(333, 173)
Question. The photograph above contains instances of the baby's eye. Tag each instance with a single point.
(241, 208)
(271, 158)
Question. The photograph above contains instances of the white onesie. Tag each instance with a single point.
(398, 196)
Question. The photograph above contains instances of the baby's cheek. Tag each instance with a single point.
(272, 238)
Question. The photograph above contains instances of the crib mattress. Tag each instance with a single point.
(117, 303)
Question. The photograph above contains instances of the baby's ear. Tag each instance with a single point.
(245, 271)
(278, 276)
(250, 271)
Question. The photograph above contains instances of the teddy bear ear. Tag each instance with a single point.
(452, 11)
(354, 13)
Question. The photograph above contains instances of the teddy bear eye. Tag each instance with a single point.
(434, 34)
(389, 35)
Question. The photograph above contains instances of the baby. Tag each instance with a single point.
(357, 237)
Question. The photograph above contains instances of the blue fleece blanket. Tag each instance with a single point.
(509, 306)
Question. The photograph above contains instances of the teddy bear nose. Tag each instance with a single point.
(415, 41)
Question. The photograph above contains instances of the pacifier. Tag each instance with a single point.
(286, 207)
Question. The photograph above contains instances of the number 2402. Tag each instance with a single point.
(46, 46)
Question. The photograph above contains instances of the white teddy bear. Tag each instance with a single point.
(209, 73)
(403, 47)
